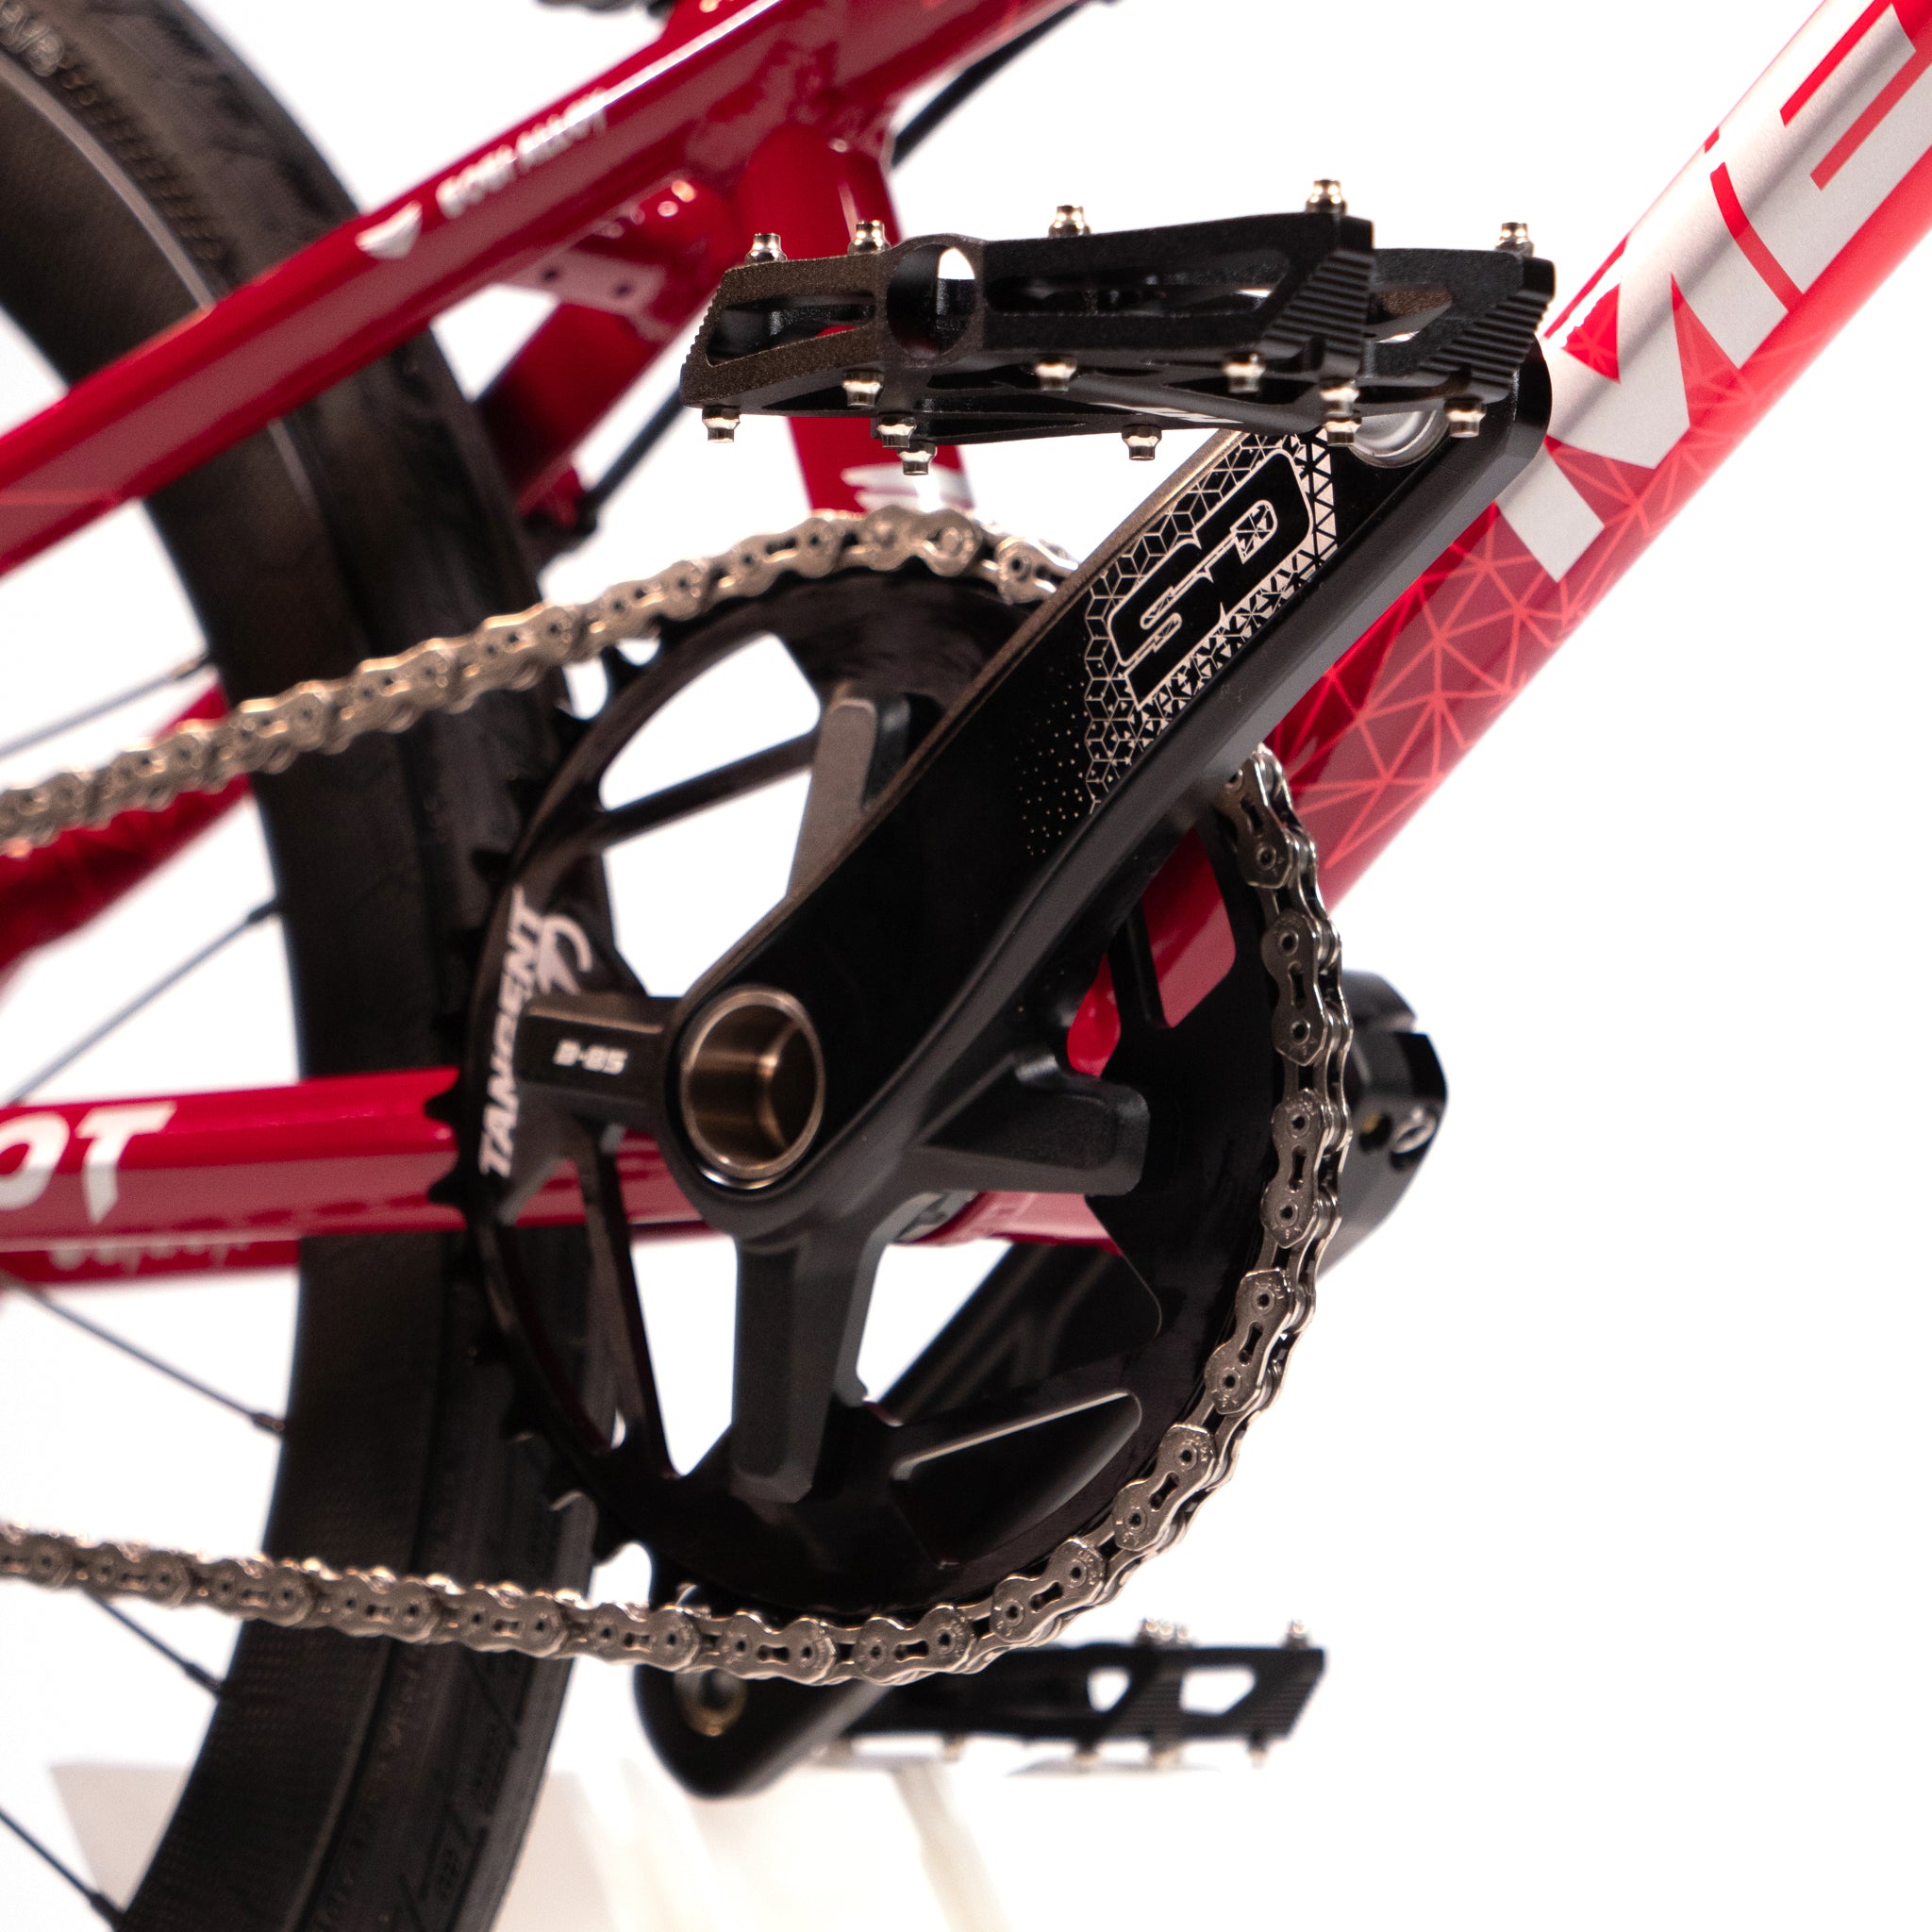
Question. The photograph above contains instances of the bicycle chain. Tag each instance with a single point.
(513, 654)
(1273, 1302)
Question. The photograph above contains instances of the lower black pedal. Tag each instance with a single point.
(1055, 1694)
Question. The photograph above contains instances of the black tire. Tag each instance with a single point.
(340, 1785)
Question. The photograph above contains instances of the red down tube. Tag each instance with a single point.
(1804, 199)
(193, 1183)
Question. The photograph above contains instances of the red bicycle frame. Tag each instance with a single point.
(625, 199)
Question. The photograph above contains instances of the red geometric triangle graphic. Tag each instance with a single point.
(1593, 340)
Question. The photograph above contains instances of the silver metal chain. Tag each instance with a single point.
(330, 714)
(1298, 1212)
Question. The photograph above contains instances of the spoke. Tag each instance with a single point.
(117, 1020)
(1000, 1413)
(634, 452)
(615, 1308)
(269, 1424)
(180, 675)
(968, 1481)
(801, 1316)
(187, 1666)
(675, 802)
(857, 726)
(99, 1901)
(1043, 1312)
(1039, 1129)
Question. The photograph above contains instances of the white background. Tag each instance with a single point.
(1601, 1473)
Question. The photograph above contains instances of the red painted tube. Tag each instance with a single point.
(626, 289)
(106, 1190)
(702, 98)
(356, 1154)
(1191, 945)
(106, 1264)
(811, 186)
(1805, 198)
(555, 391)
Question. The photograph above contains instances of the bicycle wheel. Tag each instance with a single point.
(338, 1784)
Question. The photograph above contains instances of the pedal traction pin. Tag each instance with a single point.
(1054, 371)
(1513, 239)
(1326, 197)
(915, 460)
(895, 432)
(721, 424)
(1069, 219)
(1141, 443)
(1464, 415)
(1244, 374)
(765, 247)
(1341, 423)
(862, 389)
(868, 237)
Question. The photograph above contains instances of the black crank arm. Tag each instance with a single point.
(1046, 1696)
(1066, 771)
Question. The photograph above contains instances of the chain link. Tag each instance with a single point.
(1297, 1213)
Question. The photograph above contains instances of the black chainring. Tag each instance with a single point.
(1024, 1413)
